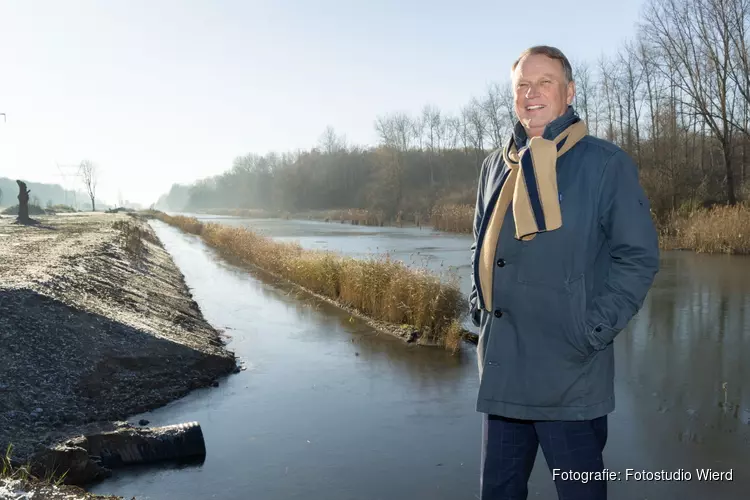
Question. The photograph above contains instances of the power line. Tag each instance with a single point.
(65, 181)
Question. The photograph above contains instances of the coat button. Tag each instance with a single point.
(498, 313)
(598, 329)
(501, 262)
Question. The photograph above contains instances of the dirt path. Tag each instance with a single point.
(96, 324)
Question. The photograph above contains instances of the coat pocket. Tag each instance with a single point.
(543, 357)
(575, 325)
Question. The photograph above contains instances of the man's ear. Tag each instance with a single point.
(571, 92)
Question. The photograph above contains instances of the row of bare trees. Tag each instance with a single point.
(676, 97)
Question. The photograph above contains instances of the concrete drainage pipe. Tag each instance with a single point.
(130, 446)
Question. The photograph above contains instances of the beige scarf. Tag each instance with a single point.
(536, 204)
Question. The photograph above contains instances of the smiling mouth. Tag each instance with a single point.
(535, 107)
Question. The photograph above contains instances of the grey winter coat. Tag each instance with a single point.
(546, 343)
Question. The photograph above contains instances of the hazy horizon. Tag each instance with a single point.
(157, 93)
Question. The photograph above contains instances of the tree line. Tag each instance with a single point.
(676, 97)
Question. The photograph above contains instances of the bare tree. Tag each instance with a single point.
(89, 174)
(495, 115)
(331, 141)
(739, 20)
(418, 126)
(384, 128)
(646, 59)
(582, 77)
(403, 130)
(395, 131)
(693, 36)
(431, 120)
(607, 93)
(475, 124)
(507, 97)
(633, 78)
(453, 132)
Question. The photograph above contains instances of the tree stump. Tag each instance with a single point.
(23, 204)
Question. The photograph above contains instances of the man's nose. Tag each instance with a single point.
(532, 91)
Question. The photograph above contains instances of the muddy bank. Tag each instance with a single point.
(96, 324)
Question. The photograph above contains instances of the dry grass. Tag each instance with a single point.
(8, 470)
(23, 472)
(132, 237)
(357, 216)
(453, 218)
(453, 336)
(380, 288)
(720, 229)
(354, 216)
(259, 213)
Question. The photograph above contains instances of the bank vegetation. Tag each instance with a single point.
(409, 299)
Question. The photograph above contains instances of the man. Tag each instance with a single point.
(564, 254)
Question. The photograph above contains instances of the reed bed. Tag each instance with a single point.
(358, 216)
(379, 288)
(250, 213)
(453, 218)
(721, 229)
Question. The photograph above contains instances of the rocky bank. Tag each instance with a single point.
(96, 325)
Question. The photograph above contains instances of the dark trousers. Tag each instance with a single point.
(510, 447)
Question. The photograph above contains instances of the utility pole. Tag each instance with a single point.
(65, 182)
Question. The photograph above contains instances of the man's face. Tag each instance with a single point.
(541, 93)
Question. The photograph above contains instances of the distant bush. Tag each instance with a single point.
(61, 209)
(33, 210)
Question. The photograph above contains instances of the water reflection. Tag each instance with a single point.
(688, 342)
(682, 362)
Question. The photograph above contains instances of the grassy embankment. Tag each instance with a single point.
(379, 288)
(20, 482)
(10, 471)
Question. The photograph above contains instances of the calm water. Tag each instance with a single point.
(311, 419)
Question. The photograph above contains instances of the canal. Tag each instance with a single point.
(329, 409)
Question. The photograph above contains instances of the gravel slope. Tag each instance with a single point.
(94, 327)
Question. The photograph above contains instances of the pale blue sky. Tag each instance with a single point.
(174, 90)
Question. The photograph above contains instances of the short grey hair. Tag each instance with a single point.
(552, 53)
